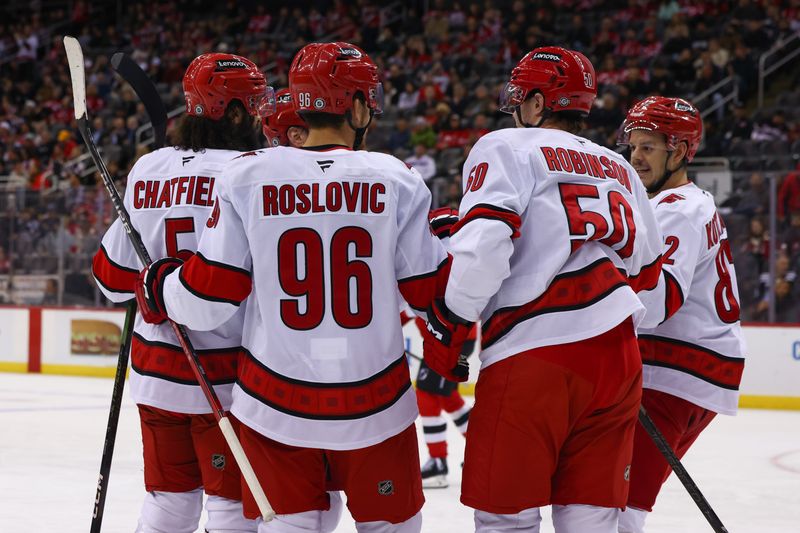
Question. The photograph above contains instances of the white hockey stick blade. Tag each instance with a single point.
(76, 73)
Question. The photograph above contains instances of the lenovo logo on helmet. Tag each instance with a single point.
(546, 56)
(684, 107)
(350, 52)
(224, 64)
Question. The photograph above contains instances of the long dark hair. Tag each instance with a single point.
(201, 133)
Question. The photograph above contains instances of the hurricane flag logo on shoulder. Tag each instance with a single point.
(546, 56)
(284, 98)
(225, 64)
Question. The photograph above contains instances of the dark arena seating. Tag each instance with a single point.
(443, 63)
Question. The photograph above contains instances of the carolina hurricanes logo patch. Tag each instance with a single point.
(214, 218)
(671, 198)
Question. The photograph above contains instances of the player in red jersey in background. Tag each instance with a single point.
(694, 357)
(170, 195)
(318, 241)
(556, 238)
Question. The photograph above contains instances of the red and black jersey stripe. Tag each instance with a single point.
(673, 296)
(324, 401)
(113, 276)
(712, 367)
(647, 278)
(567, 292)
(168, 362)
(491, 212)
(421, 290)
(214, 281)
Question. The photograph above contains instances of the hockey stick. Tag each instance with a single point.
(76, 66)
(144, 88)
(113, 419)
(146, 91)
(680, 471)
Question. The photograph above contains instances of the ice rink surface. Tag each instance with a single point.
(51, 438)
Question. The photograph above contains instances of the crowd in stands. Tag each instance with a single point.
(443, 62)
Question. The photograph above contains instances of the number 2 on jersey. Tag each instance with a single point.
(301, 272)
(623, 229)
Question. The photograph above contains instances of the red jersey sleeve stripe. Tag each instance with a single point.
(421, 290)
(491, 212)
(673, 299)
(214, 281)
(647, 278)
(112, 276)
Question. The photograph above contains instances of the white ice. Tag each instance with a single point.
(51, 439)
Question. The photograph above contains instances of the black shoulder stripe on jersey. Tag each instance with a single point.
(206, 297)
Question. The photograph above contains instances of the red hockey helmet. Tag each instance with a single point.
(276, 126)
(675, 118)
(213, 80)
(564, 77)
(324, 77)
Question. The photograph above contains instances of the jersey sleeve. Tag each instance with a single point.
(421, 263)
(495, 196)
(681, 250)
(115, 266)
(208, 289)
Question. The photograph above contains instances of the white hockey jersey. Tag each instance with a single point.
(696, 352)
(556, 237)
(170, 195)
(323, 238)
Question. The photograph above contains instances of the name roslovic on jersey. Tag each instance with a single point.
(319, 243)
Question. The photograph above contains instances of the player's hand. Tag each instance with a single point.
(442, 220)
(149, 296)
(443, 342)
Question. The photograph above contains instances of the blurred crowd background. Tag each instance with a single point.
(444, 63)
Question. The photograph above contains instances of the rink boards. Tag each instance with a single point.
(85, 342)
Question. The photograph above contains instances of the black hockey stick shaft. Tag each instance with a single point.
(677, 467)
(144, 88)
(147, 93)
(76, 65)
(113, 419)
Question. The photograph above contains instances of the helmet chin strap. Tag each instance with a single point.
(360, 132)
(518, 113)
(656, 187)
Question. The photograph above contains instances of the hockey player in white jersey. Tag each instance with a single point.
(693, 355)
(318, 240)
(170, 196)
(555, 239)
(285, 127)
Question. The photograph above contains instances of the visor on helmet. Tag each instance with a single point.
(376, 98)
(511, 97)
(265, 105)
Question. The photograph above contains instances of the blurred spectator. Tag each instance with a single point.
(740, 125)
(5, 264)
(422, 133)
(771, 129)
(400, 136)
(789, 194)
(423, 162)
(755, 198)
(757, 244)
